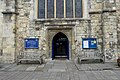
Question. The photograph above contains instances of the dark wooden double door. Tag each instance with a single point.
(60, 46)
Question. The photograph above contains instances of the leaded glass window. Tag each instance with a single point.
(50, 9)
(60, 8)
(69, 8)
(41, 9)
(78, 8)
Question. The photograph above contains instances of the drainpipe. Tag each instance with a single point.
(75, 29)
(15, 30)
(89, 28)
(102, 28)
(1, 51)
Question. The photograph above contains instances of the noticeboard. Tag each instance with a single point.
(31, 43)
(89, 43)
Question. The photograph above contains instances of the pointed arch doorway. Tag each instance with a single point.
(60, 46)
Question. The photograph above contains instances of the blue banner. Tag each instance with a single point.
(89, 43)
(31, 43)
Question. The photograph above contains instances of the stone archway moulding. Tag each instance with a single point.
(51, 32)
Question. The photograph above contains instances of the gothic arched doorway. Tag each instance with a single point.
(60, 46)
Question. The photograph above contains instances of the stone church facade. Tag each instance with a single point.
(47, 20)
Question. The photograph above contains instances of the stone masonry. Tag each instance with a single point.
(18, 20)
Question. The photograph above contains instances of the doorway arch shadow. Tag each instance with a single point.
(60, 46)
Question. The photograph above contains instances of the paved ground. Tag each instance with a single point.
(60, 70)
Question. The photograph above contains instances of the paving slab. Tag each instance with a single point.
(30, 68)
(56, 70)
(60, 70)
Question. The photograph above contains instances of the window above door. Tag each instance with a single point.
(59, 9)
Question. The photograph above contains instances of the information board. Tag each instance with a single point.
(89, 43)
(31, 43)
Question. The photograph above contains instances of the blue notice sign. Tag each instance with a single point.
(89, 43)
(31, 43)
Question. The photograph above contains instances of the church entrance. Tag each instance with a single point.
(60, 46)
